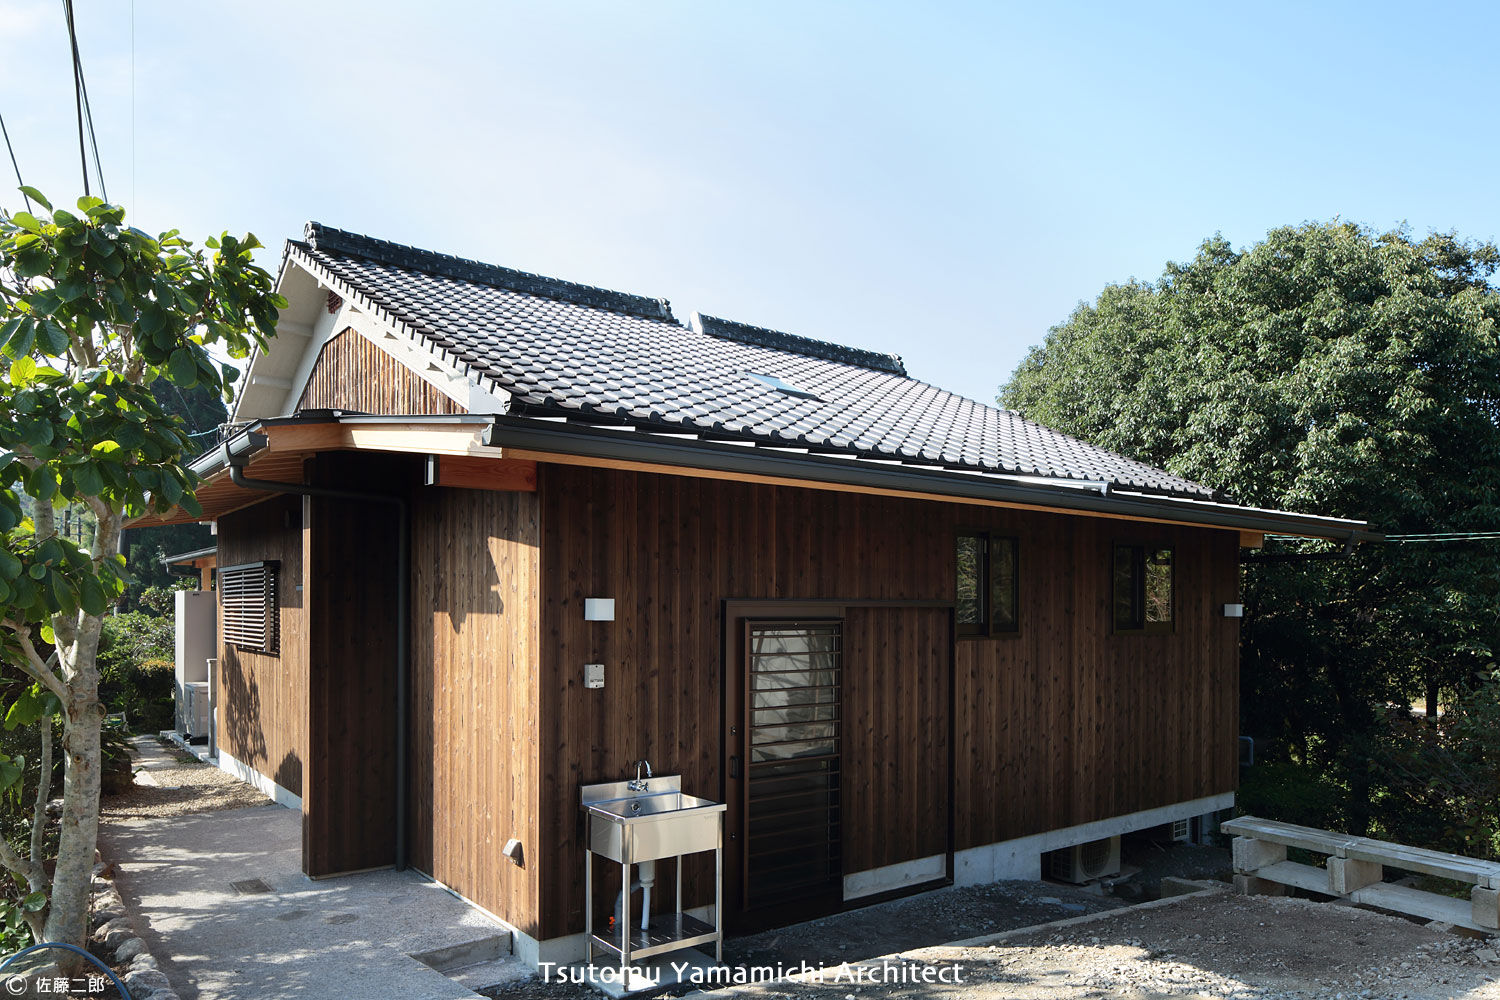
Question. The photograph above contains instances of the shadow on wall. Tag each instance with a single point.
(243, 736)
(289, 773)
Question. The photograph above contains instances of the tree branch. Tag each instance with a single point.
(43, 787)
(35, 875)
(34, 665)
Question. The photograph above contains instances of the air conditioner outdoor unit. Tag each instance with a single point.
(1085, 862)
(195, 710)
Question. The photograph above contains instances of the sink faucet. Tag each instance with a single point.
(639, 784)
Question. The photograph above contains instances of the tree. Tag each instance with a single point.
(1330, 369)
(94, 313)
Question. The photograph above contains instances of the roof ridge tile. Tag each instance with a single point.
(760, 336)
(327, 239)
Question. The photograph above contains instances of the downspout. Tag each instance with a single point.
(236, 454)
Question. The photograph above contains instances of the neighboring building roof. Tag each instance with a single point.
(598, 356)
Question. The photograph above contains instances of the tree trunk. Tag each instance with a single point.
(1432, 695)
(83, 714)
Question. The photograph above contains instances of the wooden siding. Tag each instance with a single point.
(895, 734)
(1062, 724)
(474, 715)
(351, 373)
(349, 809)
(262, 698)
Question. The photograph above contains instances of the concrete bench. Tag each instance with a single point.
(1355, 868)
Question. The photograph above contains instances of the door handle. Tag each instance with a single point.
(734, 767)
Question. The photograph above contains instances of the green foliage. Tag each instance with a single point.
(14, 934)
(93, 314)
(116, 763)
(1327, 369)
(136, 651)
(1443, 781)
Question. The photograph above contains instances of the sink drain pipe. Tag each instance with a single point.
(236, 454)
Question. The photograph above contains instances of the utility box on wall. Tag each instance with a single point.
(197, 640)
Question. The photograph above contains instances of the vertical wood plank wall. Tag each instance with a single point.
(352, 373)
(475, 728)
(895, 735)
(262, 698)
(1060, 725)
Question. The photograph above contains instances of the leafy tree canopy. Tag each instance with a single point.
(1329, 369)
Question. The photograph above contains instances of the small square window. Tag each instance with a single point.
(1142, 581)
(987, 593)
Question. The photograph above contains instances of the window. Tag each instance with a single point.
(1142, 577)
(247, 595)
(782, 385)
(986, 597)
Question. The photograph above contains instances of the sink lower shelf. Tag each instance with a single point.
(668, 932)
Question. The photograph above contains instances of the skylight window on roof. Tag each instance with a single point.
(782, 385)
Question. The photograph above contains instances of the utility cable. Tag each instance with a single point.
(83, 159)
(84, 108)
(13, 162)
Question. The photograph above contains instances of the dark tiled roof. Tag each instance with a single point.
(568, 349)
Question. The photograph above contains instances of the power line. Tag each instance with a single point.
(83, 159)
(84, 109)
(13, 162)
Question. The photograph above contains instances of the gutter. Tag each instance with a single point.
(543, 435)
(235, 454)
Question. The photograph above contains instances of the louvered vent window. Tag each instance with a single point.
(247, 594)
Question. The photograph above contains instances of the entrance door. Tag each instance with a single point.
(791, 806)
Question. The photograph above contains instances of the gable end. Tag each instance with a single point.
(353, 374)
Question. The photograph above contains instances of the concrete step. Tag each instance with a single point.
(480, 951)
(483, 975)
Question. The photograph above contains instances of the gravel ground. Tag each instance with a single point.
(1223, 946)
(1215, 947)
(183, 784)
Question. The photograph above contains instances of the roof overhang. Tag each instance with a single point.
(563, 441)
(275, 449)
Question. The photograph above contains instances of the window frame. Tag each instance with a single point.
(230, 600)
(986, 628)
(1141, 551)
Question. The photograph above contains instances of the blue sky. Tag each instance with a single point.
(942, 181)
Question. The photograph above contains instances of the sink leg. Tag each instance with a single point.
(624, 926)
(679, 895)
(719, 896)
(588, 907)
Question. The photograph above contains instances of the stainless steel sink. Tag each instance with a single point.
(658, 821)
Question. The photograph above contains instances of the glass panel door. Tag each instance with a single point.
(794, 834)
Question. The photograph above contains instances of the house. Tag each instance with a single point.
(992, 640)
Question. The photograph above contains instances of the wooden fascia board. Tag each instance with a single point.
(418, 438)
(813, 484)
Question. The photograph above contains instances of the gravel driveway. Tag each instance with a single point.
(1210, 946)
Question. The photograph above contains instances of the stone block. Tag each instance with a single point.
(1250, 854)
(1346, 875)
(1486, 903)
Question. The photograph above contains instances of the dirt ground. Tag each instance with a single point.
(1218, 946)
(1208, 947)
(170, 782)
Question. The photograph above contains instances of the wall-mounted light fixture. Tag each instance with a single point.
(598, 609)
(1234, 611)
